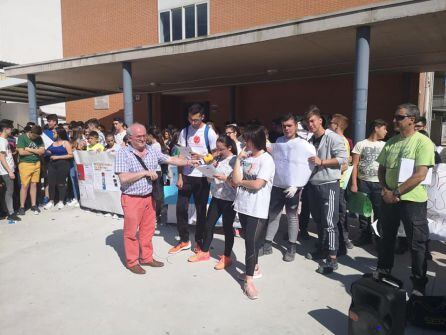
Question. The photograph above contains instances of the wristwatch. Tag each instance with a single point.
(397, 193)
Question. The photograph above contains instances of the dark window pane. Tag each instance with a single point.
(177, 25)
(202, 19)
(190, 21)
(165, 26)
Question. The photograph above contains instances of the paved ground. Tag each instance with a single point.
(62, 273)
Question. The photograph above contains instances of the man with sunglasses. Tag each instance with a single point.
(201, 139)
(407, 201)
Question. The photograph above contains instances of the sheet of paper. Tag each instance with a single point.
(46, 140)
(184, 151)
(207, 170)
(348, 176)
(375, 227)
(104, 177)
(407, 169)
(291, 160)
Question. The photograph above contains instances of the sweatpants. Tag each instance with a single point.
(253, 228)
(58, 172)
(217, 208)
(278, 200)
(9, 194)
(324, 206)
(414, 218)
(342, 222)
(199, 188)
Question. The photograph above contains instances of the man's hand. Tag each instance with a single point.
(11, 175)
(354, 188)
(194, 156)
(315, 161)
(389, 197)
(220, 176)
(180, 183)
(53, 158)
(290, 192)
(152, 175)
(194, 163)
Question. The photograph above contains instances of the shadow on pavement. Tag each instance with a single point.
(332, 319)
(115, 240)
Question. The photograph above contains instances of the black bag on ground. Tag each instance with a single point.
(427, 312)
(378, 306)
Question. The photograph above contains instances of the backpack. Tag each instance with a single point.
(206, 137)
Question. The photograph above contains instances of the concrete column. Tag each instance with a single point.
(149, 109)
(128, 92)
(32, 99)
(232, 103)
(361, 83)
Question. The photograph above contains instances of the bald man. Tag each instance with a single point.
(136, 167)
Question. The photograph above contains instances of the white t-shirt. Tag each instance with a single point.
(197, 143)
(220, 189)
(303, 133)
(368, 152)
(113, 149)
(119, 138)
(251, 202)
(5, 149)
(157, 147)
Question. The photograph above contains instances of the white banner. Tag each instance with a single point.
(98, 185)
(436, 204)
(291, 160)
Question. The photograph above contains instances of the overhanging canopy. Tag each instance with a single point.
(405, 36)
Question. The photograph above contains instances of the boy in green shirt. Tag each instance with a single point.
(30, 148)
(407, 201)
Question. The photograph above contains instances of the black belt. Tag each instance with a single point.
(138, 196)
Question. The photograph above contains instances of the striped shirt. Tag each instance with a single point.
(126, 161)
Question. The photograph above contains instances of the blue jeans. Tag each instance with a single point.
(74, 182)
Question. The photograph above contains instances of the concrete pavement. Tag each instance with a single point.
(62, 273)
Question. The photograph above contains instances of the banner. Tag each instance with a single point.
(98, 185)
(436, 204)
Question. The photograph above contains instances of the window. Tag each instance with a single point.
(183, 22)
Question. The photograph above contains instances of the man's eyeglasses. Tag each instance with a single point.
(398, 117)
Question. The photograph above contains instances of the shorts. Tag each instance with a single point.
(29, 172)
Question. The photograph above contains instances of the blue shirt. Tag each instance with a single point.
(126, 161)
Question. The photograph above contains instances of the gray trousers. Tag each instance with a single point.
(324, 206)
(278, 200)
(9, 193)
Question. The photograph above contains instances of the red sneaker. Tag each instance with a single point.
(199, 257)
(180, 247)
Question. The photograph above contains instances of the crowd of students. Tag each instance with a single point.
(245, 183)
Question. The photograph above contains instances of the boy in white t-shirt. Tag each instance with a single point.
(365, 175)
(201, 139)
(7, 167)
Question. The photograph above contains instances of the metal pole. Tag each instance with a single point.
(128, 92)
(149, 109)
(361, 83)
(32, 100)
(232, 103)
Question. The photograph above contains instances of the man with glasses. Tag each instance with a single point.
(201, 139)
(120, 132)
(407, 201)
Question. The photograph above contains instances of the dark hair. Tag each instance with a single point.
(37, 130)
(93, 134)
(4, 125)
(233, 128)
(312, 111)
(256, 134)
(287, 117)
(156, 133)
(228, 142)
(412, 110)
(422, 119)
(93, 122)
(118, 119)
(109, 135)
(62, 133)
(195, 109)
(52, 117)
(30, 123)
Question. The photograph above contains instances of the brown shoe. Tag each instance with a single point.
(154, 264)
(137, 269)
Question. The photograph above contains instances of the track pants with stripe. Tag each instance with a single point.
(324, 207)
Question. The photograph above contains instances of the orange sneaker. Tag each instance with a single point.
(223, 263)
(199, 257)
(180, 247)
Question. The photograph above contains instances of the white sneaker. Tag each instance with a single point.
(107, 215)
(115, 216)
(49, 205)
(73, 203)
(257, 275)
(60, 205)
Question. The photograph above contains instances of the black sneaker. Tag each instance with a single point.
(14, 217)
(328, 266)
(266, 249)
(316, 255)
(21, 211)
(290, 254)
(35, 210)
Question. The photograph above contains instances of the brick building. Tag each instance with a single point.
(243, 59)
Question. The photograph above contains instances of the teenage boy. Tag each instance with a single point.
(30, 148)
(120, 131)
(7, 167)
(93, 125)
(93, 142)
(323, 189)
(201, 139)
(365, 175)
